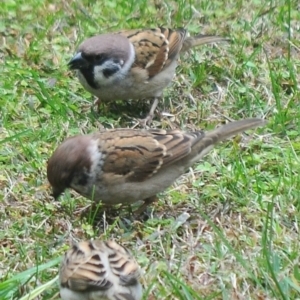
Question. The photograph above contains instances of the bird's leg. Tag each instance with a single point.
(129, 209)
(148, 119)
(152, 109)
(97, 102)
(147, 202)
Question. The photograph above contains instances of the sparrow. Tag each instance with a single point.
(128, 165)
(133, 64)
(99, 270)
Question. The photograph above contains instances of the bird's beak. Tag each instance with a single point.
(56, 192)
(78, 62)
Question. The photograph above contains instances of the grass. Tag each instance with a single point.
(229, 228)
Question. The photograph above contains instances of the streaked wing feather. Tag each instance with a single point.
(86, 285)
(176, 39)
(83, 270)
(135, 155)
(155, 48)
(131, 154)
(177, 143)
(117, 267)
(123, 265)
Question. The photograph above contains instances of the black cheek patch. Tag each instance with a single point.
(83, 180)
(88, 74)
(108, 72)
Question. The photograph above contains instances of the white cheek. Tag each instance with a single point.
(126, 67)
(99, 76)
(97, 158)
(119, 75)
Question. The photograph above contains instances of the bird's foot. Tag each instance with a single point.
(146, 203)
(146, 121)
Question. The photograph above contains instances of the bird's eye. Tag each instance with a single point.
(98, 57)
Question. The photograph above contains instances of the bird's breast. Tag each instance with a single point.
(135, 85)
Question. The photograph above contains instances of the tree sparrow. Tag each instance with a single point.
(133, 64)
(97, 270)
(127, 165)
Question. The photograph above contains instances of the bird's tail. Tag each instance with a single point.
(201, 39)
(208, 140)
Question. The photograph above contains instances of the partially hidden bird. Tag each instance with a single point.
(133, 64)
(99, 270)
(128, 165)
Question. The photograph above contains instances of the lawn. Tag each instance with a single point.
(228, 228)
